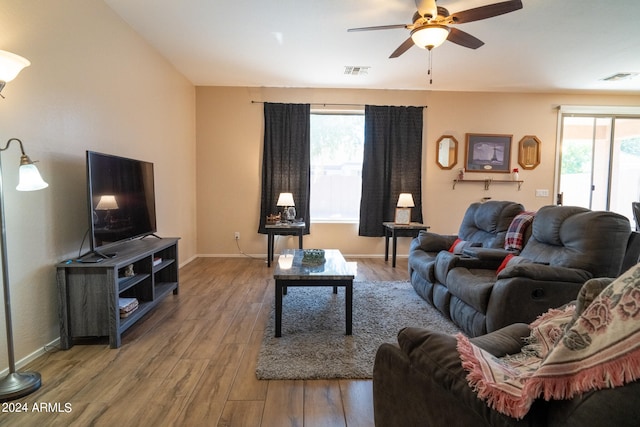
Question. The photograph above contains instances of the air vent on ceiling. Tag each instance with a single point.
(620, 76)
(353, 70)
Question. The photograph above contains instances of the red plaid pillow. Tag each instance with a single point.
(514, 239)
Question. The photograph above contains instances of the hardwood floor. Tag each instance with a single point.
(191, 362)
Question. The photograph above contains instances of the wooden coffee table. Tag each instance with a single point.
(334, 272)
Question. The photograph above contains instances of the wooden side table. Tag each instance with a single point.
(393, 230)
(282, 229)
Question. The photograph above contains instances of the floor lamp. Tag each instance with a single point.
(15, 384)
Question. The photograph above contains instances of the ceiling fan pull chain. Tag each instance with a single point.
(430, 70)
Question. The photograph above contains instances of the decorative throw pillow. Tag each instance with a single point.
(460, 245)
(452, 249)
(504, 263)
(514, 239)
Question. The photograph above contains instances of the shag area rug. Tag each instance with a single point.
(313, 343)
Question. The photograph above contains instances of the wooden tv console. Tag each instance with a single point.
(88, 293)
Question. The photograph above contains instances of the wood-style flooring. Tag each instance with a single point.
(191, 362)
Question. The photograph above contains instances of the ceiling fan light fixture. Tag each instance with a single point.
(430, 35)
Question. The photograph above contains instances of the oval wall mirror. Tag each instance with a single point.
(447, 154)
(529, 152)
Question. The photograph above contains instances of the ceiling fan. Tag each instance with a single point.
(430, 27)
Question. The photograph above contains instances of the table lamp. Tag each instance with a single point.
(286, 201)
(403, 209)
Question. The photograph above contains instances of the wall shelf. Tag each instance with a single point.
(487, 182)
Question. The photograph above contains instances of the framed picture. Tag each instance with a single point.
(488, 153)
(403, 215)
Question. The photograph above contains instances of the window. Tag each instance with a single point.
(600, 161)
(337, 147)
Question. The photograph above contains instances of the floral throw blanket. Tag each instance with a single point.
(568, 353)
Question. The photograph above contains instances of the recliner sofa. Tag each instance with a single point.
(483, 225)
(568, 246)
(421, 381)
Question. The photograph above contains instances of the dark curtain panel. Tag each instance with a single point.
(286, 159)
(392, 165)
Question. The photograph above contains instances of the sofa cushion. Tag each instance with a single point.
(487, 223)
(473, 286)
(549, 222)
(570, 236)
(423, 263)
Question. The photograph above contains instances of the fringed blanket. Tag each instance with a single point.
(568, 353)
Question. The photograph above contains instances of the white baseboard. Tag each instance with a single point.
(31, 357)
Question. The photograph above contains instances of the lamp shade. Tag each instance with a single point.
(430, 35)
(10, 65)
(30, 179)
(405, 200)
(285, 199)
(107, 202)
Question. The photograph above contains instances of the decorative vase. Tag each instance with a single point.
(515, 176)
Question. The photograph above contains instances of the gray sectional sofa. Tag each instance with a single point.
(567, 246)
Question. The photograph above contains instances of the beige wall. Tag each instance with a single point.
(93, 84)
(229, 135)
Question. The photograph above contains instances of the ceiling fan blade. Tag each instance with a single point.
(427, 8)
(379, 27)
(484, 12)
(464, 39)
(408, 43)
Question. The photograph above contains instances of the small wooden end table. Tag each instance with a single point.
(283, 229)
(393, 230)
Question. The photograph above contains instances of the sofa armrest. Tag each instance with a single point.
(508, 340)
(489, 254)
(543, 272)
(445, 261)
(423, 383)
(432, 242)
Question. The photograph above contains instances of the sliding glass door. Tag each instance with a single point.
(600, 162)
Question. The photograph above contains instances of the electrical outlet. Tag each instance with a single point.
(237, 235)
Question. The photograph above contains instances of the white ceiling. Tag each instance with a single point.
(549, 45)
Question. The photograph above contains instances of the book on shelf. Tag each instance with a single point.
(157, 261)
(127, 306)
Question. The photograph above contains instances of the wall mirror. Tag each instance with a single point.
(447, 154)
(529, 152)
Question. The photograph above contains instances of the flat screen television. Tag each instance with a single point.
(121, 200)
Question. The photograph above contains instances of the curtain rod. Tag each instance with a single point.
(334, 104)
